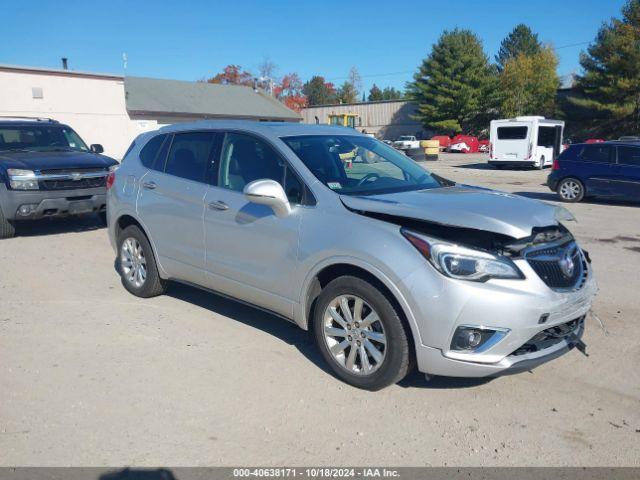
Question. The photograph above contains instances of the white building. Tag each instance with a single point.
(112, 110)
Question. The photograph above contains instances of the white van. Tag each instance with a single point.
(525, 141)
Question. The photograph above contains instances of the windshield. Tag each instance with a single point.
(355, 165)
(40, 139)
(405, 138)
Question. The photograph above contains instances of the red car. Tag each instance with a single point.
(594, 140)
(484, 146)
(464, 144)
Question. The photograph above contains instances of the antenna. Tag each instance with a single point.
(124, 60)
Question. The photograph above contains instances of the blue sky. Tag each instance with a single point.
(190, 40)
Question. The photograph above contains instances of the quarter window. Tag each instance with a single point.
(512, 133)
(245, 159)
(190, 155)
(596, 153)
(149, 152)
(629, 156)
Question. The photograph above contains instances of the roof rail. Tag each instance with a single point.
(18, 118)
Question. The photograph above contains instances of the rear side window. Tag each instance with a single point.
(512, 133)
(596, 153)
(190, 155)
(629, 156)
(149, 152)
(547, 137)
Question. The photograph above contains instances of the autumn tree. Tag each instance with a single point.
(455, 85)
(289, 92)
(609, 87)
(232, 75)
(319, 92)
(375, 94)
(529, 84)
(520, 41)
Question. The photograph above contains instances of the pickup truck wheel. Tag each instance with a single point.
(137, 265)
(102, 216)
(7, 229)
(360, 334)
(570, 190)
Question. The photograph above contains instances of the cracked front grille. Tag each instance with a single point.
(560, 267)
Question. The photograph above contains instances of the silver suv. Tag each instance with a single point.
(388, 264)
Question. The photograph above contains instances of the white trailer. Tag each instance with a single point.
(525, 141)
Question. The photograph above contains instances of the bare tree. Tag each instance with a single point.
(267, 68)
(355, 79)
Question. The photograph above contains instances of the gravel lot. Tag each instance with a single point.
(90, 375)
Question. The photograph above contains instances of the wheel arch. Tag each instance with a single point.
(126, 220)
(332, 269)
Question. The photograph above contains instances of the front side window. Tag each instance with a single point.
(245, 159)
(356, 165)
(596, 153)
(512, 133)
(190, 155)
(40, 139)
(629, 156)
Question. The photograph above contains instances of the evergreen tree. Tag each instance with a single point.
(391, 93)
(609, 87)
(375, 94)
(521, 41)
(347, 93)
(455, 85)
(529, 84)
(319, 92)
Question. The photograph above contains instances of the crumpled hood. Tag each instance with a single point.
(462, 206)
(54, 160)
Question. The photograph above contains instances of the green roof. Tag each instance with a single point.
(200, 99)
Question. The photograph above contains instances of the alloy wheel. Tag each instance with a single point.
(354, 335)
(570, 190)
(133, 262)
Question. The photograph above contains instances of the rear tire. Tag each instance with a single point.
(540, 166)
(7, 228)
(136, 264)
(570, 190)
(363, 352)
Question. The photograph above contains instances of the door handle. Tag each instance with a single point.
(149, 185)
(218, 205)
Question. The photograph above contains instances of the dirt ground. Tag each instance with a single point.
(90, 375)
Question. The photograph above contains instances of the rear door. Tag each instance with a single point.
(595, 166)
(628, 179)
(512, 142)
(171, 201)
(546, 143)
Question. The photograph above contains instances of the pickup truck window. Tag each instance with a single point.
(40, 138)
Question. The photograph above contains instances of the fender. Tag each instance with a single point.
(300, 309)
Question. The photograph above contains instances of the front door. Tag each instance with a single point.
(171, 202)
(545, 144)
(250, 252)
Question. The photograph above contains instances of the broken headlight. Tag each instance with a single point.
(462, 263)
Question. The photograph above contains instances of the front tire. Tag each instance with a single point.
(360, 334)
(137, 265)
(7, 228)
(570, 190)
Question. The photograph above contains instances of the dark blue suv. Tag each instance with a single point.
(608, 169)
(47, 170)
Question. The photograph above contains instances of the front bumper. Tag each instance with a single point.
(523, 307)
(51, 203)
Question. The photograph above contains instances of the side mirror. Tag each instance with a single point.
(270, 193)
(96, 148)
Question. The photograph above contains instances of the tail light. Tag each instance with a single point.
(111, 178)
(490, 150)
(556, 164)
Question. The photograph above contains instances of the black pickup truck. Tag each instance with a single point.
(47, 170)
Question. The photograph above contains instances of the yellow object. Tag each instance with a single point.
(343, 119)
(430, 143)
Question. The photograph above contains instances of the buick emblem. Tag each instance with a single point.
(76, 176)
(567, 265)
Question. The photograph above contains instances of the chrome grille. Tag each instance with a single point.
(72, 179)
(561, 267)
